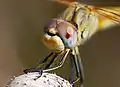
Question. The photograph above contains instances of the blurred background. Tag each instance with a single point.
(21, 30)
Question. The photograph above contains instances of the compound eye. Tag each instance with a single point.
(66, 30)
(49, 25)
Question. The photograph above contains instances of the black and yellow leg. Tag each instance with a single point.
(50, 63)
(71, 70)
(78, 66)
(34, 69)
(61, 62)
(47, 67)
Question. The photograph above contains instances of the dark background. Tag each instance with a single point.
(21, 30)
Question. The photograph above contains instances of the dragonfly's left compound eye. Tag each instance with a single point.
(68, 33)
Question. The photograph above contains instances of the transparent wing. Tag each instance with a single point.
(108, 17)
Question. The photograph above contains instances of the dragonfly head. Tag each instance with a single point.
(60, 34)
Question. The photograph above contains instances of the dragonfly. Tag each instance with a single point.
(66, 33)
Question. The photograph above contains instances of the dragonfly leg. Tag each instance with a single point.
(60, 64)
(50, 63)
(41, 62)
(79, 69)
(71, 70)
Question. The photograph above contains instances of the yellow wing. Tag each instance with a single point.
(67, 2)
(108, 17)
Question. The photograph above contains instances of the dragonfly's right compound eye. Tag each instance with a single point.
(50, 26)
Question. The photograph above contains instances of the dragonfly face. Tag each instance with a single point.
(60, 34)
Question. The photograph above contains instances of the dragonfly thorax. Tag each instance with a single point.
(60, 34)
